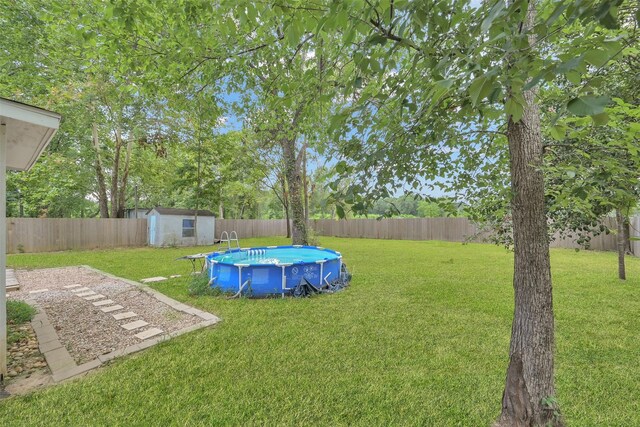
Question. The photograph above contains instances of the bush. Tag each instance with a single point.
(312, 237)
(199, 285)
(19, 312)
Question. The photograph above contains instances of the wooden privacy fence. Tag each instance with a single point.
(252, 227)
(60, 234)
(602, 242)
(450, 229)
(52, 234)
(447, 229)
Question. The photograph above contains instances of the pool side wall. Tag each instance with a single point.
(268, 279)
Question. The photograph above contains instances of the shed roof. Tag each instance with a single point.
(179, 211)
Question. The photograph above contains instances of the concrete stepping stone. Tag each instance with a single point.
(103, 302)
(72, 286)
(134, 325)
(12, 283)
(153, 279)
(94, 297)
(59, 359)
(83, 289)
(148, 333)
(85, 294)
(112, 308)
(125, 315)
(38, 291)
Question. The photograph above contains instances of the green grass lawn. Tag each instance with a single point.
(420, 338)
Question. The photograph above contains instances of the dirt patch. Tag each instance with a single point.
(26, 367)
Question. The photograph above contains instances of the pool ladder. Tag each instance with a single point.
(228, 238)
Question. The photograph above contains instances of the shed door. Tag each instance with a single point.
(152, 230)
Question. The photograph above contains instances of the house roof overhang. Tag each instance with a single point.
(29, 130)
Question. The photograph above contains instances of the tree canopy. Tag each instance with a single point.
(525, 111)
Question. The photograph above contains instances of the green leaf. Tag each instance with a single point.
(596, 57)
(341, 19)
(420, 16)
(495, 95)
(514, 109)
(377, 39)
(556, 14)
(606, 17)
(534, 81)
(496, 9)
(294, 32)
(574, 77)
(569, 65)
(595, 82)
(588, 105)
(374, 65)
(474, 89)
(336, 121)
(252, 13)
(600, 119)
(446, 83)
(341, 167)
(479, 89)
(558, 131)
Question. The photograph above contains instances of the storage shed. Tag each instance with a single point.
(178, 227)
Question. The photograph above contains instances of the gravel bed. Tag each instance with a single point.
(83, 328)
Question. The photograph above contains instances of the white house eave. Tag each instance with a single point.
(29, 131)
(28, 113)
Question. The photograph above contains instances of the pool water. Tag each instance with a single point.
(278, 255)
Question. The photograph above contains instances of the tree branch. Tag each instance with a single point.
(299, 47)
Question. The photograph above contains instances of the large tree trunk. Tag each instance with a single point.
(292, 173)
(305, 184)
(242, 206)
(627, 234)
(287, 220)
(102, 187)
(114, 175)
(198, 184)
(122, 191)
(529, 394)
(529, 380)
(285, 203)
(621, 239)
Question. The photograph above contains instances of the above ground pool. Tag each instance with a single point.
(273, 270)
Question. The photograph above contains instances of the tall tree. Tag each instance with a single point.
(269, 57)
(61, 55)
(429, 76)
